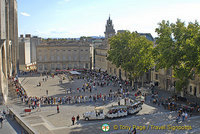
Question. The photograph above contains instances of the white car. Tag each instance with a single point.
(96, 114)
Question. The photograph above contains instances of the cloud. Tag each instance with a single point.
(25, 14)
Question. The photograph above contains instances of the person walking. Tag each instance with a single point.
(73, 120)
(186, 115)
(178, 117)
(1, 121)
(58, 109)
(134, 131)
(77, 118)
(47, 92)
(183, 116)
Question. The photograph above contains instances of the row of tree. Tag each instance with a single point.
(177, 46)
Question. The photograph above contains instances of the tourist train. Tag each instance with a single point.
(113, 112)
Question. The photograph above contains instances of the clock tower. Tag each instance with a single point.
(110, 31)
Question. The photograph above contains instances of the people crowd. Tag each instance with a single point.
(92, 80)
(172, 103)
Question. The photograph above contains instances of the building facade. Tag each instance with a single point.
(27, 51)
(62, 55)
(163, 78)
(8, 44)
(101, 51)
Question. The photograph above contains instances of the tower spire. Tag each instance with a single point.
(110, 31)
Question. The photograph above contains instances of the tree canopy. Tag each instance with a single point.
(178, 46)
(131, 52)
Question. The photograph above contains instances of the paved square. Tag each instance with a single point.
(49, 121)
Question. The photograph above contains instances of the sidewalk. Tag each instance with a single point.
(166, 94)
(10, 126)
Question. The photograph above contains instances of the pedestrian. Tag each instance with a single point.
(1, 121)
(134, 131)
(77, 118)
(73, 120)
(118, 103)
(183, 116)
(58, 109)
(186, 115)
(47, 92)
(178, 117)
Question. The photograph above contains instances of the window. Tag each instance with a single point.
(75, 65)
(45, 58)
(64, 57)
(52, 58)
(81, 66)
(156, 76)
(64, 66)
(110, 70)
(45, 67)
(190, 89)
(58, 66)
(40, 58)
(40, 67)
(75, 58)
(69, 66)
(52, 66)
(69, 58)
(86, 65)
(58, 58)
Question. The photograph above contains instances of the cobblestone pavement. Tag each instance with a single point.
(48, 121)
(56, 89)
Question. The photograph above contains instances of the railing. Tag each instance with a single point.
(17, 117)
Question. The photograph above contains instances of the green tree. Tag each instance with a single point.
(177, 46)
(131, 52)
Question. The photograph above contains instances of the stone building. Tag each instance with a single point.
(62, 55)
(27, 51)
(8, 44)
(101, 50)
(95, 44)
(163, 78)
(101, 54)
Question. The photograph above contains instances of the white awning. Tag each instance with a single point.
(74, 72)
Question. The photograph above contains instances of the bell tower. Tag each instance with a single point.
(110, 31)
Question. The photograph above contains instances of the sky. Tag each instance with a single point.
(75, 18)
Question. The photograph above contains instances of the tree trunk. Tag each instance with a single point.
(142, 81)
